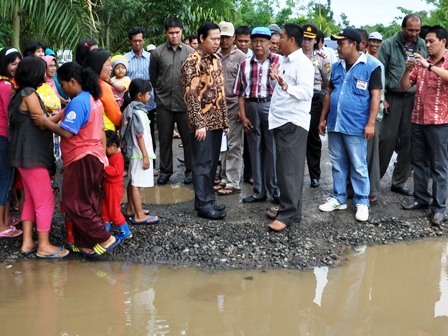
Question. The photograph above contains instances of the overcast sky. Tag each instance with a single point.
(374, 11)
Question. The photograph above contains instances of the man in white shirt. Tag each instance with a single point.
(289, 118)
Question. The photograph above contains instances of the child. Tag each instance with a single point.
(137, 145)
(120, 82)
(31, 151)
(113, 187)
(81, 131)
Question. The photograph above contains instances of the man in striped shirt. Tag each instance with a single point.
(138, 67)
(254, 95)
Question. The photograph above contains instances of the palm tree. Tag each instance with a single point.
(61, 23)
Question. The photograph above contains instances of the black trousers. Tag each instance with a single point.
(204, 160)
(430, 159)
(165, 125)
(290, 142)
(314, 144)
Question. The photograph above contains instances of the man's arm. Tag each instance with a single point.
(369, 130)
(153, 68)
(325, 111)
(422, 62)
(190, 74)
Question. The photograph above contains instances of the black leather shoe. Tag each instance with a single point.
(402, 190)
(252, 199)
(314, 183)
(188, 179)
(437, 218)
(412, 206)
(213, 214)
(181, 160)
(163, 179)
(219, 207)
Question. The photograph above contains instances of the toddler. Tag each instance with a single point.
(113, 187)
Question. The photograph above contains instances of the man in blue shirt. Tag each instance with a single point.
(349, 112)
(138, 67)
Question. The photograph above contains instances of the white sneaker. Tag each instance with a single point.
(332, 204)
(362, 214)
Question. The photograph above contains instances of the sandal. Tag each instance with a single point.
(219, 186)
(228, 191)
(11, 232)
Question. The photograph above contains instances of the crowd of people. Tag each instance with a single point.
(253, 101)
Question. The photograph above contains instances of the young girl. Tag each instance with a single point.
(113, 187)
(137, 143)
(120, 82)
(81, 131)
(31, 151)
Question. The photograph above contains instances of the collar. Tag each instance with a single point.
(203, 54)
(404, 42)
(232, 51)
(361, 59)
(442, 59)
(292, 56)
(145, 54)
(271, 57)
(169, 46)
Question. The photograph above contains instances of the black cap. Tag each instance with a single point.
(310, 31)
(347, 33)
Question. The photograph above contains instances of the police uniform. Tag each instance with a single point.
(322, 72)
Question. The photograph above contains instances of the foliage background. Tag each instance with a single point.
(62, 23)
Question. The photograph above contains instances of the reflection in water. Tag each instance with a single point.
(165, 194)
(386, 290)
(441, 307)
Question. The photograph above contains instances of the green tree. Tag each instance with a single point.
(60, 23)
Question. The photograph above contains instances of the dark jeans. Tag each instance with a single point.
(290, 142)
(204, 160)
(430, 159)
(165, 125)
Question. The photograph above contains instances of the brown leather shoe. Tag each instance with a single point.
(277, 225)
(412, 205)
(437, 218)
(271, 214)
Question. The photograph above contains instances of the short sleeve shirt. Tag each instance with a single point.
(77, 113)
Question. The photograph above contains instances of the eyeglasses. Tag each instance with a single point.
(137, 41)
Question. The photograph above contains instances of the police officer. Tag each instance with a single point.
(322, 69)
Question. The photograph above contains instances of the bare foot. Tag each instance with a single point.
(50, 249)
(26, 248)
(108, 242)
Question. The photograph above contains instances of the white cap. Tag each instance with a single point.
(375, 36)
(150, 47)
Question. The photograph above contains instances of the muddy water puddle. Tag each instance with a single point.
(165, 194)
(385, 290)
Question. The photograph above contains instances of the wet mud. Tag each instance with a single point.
(243, 241)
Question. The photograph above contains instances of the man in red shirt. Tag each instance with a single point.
(429, 128)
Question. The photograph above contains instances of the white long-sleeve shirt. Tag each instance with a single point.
(294, 104)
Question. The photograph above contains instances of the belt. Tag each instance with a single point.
(259, 100)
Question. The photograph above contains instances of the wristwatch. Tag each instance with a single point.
(430, 66)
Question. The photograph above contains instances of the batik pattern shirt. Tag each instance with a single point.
(203, 82)
(431, 105)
